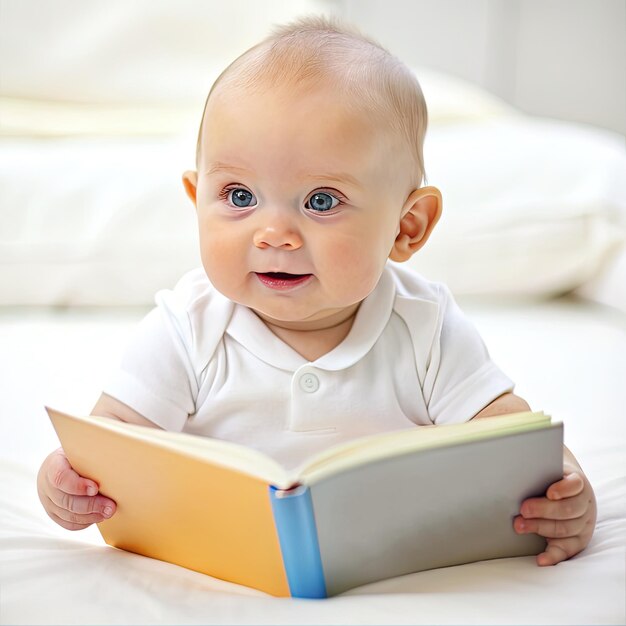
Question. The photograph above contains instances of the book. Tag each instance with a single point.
(374, 508)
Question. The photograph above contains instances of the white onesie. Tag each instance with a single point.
(202, 364)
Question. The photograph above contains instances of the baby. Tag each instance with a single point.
(302, 329)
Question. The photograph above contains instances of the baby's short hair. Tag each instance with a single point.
(319, 50)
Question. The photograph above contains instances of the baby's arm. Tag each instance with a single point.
(566, 515)
(69, 499)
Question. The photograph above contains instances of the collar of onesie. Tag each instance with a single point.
(370, 321)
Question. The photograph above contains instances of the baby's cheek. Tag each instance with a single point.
(219, 258)
(214, 238)
(353, 270)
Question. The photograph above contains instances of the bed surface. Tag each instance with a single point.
(568, 358)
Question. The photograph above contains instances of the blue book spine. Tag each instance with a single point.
(297, 534)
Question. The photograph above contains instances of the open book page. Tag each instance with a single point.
(222, 453)
(337, 458)
(380, 446)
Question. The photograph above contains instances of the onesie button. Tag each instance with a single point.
(309, 383)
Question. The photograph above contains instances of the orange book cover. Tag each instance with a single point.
(178, 508)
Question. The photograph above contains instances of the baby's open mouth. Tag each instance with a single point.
(284, 275)
(282, 280)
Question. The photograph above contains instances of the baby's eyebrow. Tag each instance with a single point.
(339, 177)
(221, 167)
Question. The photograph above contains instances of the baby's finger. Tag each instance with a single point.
(69, 520)
(82, 505)
(62, 476)
(81, 509)
(569, 486)
(550, 528)
(543, 508)
(559, 550)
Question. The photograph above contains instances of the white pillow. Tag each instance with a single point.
(532, 207)
(451, 99)
(94, 221)
(609, 286)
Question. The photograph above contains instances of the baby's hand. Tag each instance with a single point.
(69, 499)
(566, 516)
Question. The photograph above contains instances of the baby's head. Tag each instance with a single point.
(309, 172)
(317, 52)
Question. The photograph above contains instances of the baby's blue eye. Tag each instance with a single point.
(241, 198)
(323, 202)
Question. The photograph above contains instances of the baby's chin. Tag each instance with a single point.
(294, 311)
(307, 321)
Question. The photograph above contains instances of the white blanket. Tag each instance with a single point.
(568, 359)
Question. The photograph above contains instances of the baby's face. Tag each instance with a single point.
(298, 204)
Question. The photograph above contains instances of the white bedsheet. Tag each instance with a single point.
(568, 358)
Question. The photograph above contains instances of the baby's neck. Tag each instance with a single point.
(314, 340)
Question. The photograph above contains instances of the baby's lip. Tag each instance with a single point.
(284, 274)
(283, 281)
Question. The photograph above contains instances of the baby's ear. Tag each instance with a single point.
(420, 213)
(190, 180)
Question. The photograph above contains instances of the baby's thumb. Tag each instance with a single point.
(63, 476)
(568, 487)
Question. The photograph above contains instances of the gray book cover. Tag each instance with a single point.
(439, 507)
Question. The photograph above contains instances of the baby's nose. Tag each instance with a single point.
(277, 234)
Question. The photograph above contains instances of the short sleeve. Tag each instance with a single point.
(170, 351)
(461, 377)
(155, 377)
